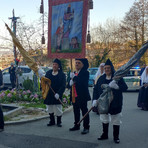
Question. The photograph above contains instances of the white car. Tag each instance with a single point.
(24, 73)
(132, 79)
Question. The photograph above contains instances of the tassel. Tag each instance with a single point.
(43, 39)
(90, 4)
(88, 37)
(41, 7)
(42, 12)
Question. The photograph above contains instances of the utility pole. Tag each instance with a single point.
(14, 21)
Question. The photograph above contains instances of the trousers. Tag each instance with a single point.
(1, 118)
(115, 119)
(77, 106)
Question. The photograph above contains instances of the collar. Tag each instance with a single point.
(54, 73)
(108, 77)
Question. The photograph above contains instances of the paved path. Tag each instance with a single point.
(134, 131)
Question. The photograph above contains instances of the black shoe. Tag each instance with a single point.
(50, 124)
(103, 137)
(75, 128)
(59, 125)
(1, 129)
(85, 131)
(117, 140)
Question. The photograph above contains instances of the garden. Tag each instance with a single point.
(30, 99)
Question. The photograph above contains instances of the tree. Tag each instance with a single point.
(134, 25)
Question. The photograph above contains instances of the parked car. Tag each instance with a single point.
(92, 72)
(132, 79)
(24, 72)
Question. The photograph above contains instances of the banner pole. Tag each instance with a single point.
(72, 89)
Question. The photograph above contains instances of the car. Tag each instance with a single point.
(92, 72)
(45, 68)
(24, 72)
(132, 79)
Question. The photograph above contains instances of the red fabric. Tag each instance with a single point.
(75, 92)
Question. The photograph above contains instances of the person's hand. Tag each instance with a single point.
(57, 96)
(72, 75)
(113, 85)
(94, 104)
(71, 82)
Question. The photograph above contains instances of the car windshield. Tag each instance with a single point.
(92, 71)
(133, 73)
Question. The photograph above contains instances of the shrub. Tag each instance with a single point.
(28, 84)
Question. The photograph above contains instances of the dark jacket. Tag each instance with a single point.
(81, 83)
(116, 104)
(1, 78)
(58, 84)
(12, 74)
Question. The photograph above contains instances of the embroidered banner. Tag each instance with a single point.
(67, 25)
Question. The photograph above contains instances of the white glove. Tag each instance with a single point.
(41, 72)
(72, 75)
(71, 82)
(57, 96)
(113, 84)
(94, 104)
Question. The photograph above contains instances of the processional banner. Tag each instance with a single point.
(67, 25)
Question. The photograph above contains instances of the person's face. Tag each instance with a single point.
(107, 69)
(101, 69)
(55, 67)
(75, 41)
(78, 65)
(72, 41)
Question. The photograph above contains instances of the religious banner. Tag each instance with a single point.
(67, 25)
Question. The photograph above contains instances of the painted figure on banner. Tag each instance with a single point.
(67, 28)
(68, 21)
(74, 43)
(59, 34)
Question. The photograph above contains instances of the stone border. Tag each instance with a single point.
(14, 111)
(34, 119)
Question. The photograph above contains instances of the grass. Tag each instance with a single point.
(6, 118)
(35, 105)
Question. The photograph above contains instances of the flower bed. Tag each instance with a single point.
(27, 97)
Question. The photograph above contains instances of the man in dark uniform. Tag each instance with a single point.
(80, 86)
(115, 108)
(1, 112)
(58, 84)
(1, 120)
(12, 75)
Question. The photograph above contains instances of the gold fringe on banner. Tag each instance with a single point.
(29, 61)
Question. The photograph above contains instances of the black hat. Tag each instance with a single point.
(85, 63)
(108, 62)
(58, 62)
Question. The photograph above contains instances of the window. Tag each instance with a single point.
(132, 73)
(93, 71)
(6, 71)
(25, 70)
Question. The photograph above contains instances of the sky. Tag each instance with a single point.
(28, 10)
